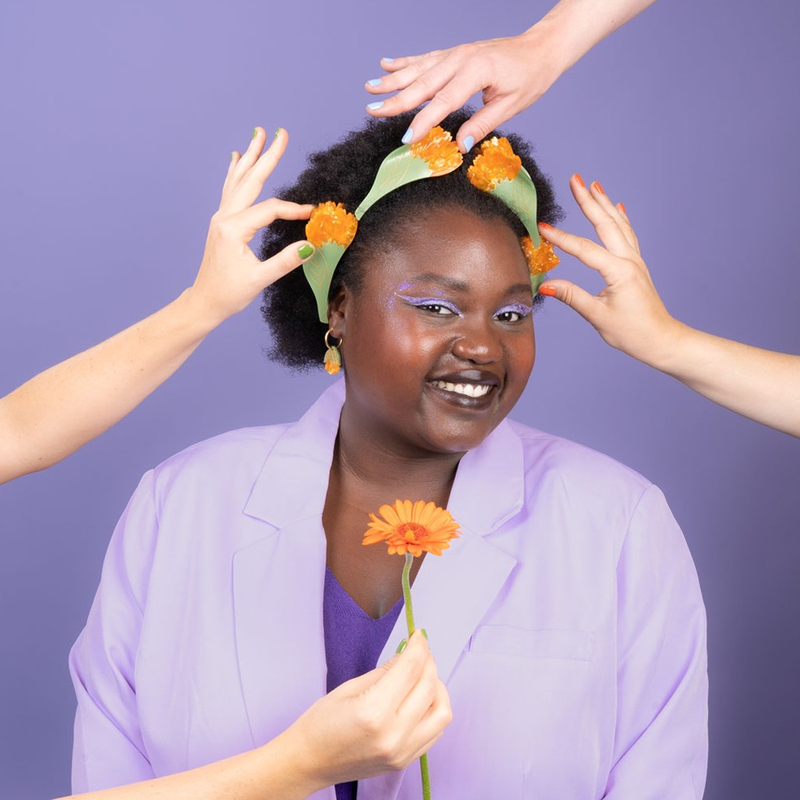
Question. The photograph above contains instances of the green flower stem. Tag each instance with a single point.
(423, 759)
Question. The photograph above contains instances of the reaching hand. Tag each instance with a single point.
(627, 313)
(379, 722)
(512, 73)
(231, 276)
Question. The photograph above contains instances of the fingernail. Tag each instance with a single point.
(624, 210)
(598, 187)
(233, 154)
(374, 82)
(545, 225)
(579, 179)
(387, 60)
(408, 136)
(277, 131)
(468, 142)
(375, 106)
(255, 132)
(424, 632)
(402, 646)
(305, 250)
(548, 291)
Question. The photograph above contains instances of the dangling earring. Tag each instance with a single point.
(333, 358)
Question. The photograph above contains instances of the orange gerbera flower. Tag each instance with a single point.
(331, 222)
(496, 162)
(439, 151)
(412, 527)
(540, 259)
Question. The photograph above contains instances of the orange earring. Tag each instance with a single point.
(333, 358)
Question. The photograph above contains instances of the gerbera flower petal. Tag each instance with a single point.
(415, 528)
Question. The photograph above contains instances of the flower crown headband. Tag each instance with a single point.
(496, 170)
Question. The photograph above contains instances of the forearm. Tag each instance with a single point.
(68, 405)
(578, 25)
(276, 771)
(759, 384)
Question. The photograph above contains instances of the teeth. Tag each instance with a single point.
(469, 389)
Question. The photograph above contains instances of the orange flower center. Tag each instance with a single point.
(412, 531)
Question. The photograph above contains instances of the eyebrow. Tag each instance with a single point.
(458, 286)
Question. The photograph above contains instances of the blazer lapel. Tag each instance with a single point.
(278, 579)
(452, 593)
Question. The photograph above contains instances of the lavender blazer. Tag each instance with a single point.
(567, 621)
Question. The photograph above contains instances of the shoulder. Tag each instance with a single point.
(545, 454)
(231, 457)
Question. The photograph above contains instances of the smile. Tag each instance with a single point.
(468, 389)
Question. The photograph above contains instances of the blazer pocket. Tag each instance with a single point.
(509, 640)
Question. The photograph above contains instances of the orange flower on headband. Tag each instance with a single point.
(331, 222)
(412, 528)
(496, 162)
(439, 151)
(540, 259)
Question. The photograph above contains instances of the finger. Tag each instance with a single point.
(585, 250)
(235, 156)
(281, 263)
(420, 697)
(484, 121)
(627, 228)
(250, 156)
(403, 672)
(253, 218)
(597, 212)
(404, 72)
(431, 727)
(395, 64)
(587, 305)
(251, 184)
(424, 87)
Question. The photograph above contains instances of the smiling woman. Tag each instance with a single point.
(566, 619)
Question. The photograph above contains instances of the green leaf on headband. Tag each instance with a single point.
(397, 169)
(520, 196)
(319, 271)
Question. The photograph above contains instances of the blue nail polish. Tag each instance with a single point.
(375, 106)
(468, 142)
(408, 136)
(387, 60)
(374, 82)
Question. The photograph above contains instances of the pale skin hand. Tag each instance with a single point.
(373, 724)
(629, 315)
(68, 405)
(512, 73)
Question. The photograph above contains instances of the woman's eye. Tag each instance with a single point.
(512, 314)
(438, 308)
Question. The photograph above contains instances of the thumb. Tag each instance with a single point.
(288, 259)
(587, 305)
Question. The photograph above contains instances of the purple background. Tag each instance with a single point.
(117, 119)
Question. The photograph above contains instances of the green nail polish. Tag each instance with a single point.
(402, 646)
(278, 130)
(255, 132)
(305, 250)
(424, 632)
(233, 154)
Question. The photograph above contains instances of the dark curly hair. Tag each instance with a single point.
(344, 173)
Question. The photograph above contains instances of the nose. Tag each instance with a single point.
(479, 343)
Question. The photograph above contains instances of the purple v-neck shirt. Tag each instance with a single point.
(353, 643)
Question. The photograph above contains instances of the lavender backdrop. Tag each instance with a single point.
(117, 119)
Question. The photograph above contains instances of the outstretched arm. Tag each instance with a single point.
(629, 315)
(381, 721)
(68, 405)
(513, 72)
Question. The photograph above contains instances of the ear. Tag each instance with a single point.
(337, 312)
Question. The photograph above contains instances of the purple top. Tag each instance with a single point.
(353, 643)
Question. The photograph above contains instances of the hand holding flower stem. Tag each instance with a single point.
(410, 529)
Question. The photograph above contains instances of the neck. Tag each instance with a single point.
(379, 471)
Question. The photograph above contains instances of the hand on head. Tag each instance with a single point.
(231, 276)
(512, 73)
(627, 313)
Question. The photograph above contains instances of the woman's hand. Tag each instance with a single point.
(627, 313)
(379, 722)
(512, 73)
(230, 275)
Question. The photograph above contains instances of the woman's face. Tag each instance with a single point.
(438, 341)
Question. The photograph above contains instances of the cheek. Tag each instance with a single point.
(521, 357)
